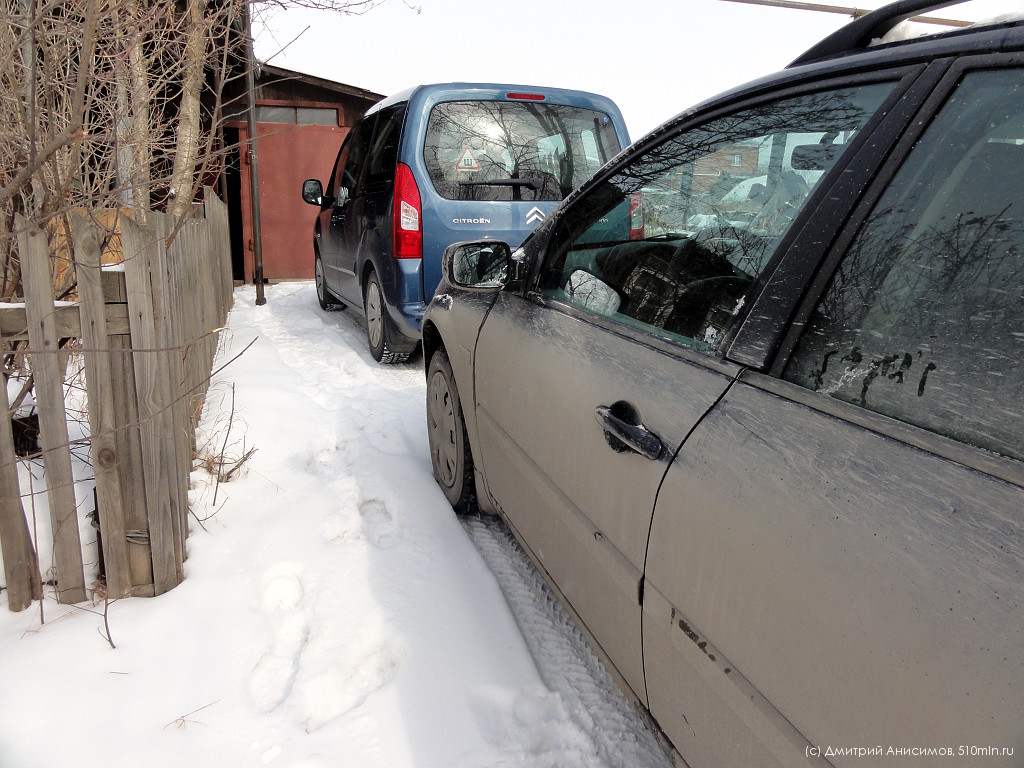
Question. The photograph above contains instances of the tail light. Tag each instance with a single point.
(636, 216)
(408, 224)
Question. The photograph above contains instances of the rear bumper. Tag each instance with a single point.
(404, 300)
(408, 319)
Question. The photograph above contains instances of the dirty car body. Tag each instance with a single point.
(753, 401)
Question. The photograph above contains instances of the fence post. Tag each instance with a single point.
(102, 422)
(20, 568)
(49, 382)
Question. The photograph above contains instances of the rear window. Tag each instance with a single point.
(506, 151)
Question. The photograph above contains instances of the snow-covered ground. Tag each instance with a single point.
(334, 612)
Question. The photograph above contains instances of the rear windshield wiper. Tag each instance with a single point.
(503, 183)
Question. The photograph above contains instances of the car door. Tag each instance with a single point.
(325, 244)
(587, 384)
(343, 222)
(371, 198)
(836, 558)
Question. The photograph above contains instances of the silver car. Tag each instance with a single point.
(753, 401)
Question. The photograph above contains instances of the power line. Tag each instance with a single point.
(845, 11)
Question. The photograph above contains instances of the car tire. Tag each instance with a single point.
(326, 299)
(450, 454)
(380, 332)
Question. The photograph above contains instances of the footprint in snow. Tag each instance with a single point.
(326, 455)
(271, 680)
(281, 592)
(345, 523)
(379, 524)
(337, 691)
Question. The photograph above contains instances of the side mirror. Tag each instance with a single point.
(483, 264)
(312, 192)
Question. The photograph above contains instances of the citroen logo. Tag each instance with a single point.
(535, 215)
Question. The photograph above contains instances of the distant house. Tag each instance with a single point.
(301, 122)
(738, 160)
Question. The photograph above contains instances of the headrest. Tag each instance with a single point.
(814, 157)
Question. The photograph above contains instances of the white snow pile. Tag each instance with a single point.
(334, 610)
(911, 30)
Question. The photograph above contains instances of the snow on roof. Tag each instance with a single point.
(910, 30)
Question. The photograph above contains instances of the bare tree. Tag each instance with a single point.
(111, 104)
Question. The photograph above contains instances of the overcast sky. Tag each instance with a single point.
(653, 57)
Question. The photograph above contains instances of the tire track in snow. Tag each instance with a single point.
(564, 659)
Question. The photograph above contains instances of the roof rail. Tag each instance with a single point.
(861, 31)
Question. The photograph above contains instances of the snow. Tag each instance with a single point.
(334, 610)
(21, 304)
(909, 30)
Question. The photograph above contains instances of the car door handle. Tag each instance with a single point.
(623, 436)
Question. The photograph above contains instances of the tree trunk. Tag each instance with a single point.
(125, 154)
(142, 156)
(186, 154)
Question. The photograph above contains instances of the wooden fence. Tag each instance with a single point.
(148, 329)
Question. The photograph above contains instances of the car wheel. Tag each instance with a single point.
(446, 432)
(323, 296)
(379, 330)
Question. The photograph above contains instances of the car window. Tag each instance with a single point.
(380, 167)
(502, 150)
(924, 317)
(354, 153)
(339, 166)
(339, 162)
(672, 241)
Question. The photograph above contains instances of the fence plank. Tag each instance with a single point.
(192, 330)
(180, 285)
(207, 298)
(131, 469)
(20, 568)
(140, 244)
(49, 384)
(102, 422)
(217, 215)
(170, 391)
(189, 249)
(175, 446)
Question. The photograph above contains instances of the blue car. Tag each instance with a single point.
(437, 164)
